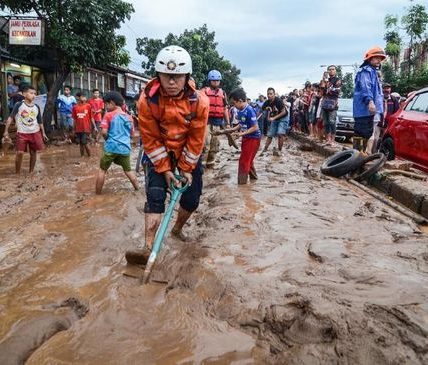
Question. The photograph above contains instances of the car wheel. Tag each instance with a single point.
(387, 148)
(342, 163)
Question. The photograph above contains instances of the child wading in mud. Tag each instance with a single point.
(82, 117)
(117, 129)
(30, 131)
(97, 106)
(248, 129)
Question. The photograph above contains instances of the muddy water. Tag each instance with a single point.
(294, 268)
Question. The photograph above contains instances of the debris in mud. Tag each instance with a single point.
(398, 322)
(397, 237)
(293, 323)
(311, 173)
(365, 209)
(313, 254)
(76, 305)
(306, 147)
(28, 335)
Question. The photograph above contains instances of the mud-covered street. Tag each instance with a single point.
(295, 268)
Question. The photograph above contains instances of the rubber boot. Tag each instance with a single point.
(242, 179)
(358, 143)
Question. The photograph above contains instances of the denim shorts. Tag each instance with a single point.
(278, 128)
(65, 121)
(216, 121)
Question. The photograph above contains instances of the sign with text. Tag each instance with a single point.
(121, 80)
(27, 32)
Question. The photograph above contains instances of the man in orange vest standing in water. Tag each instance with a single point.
(172, 116)
(218, 115)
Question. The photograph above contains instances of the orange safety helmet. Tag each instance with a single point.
(375, 52)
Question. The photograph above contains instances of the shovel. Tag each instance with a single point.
(158, 242)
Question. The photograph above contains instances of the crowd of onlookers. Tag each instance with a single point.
(313, 109)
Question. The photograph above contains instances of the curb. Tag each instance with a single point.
(401, 189)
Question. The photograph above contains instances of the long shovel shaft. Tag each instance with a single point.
(157, 244)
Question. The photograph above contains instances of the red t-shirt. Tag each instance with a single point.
(82, 118)
(97, 106)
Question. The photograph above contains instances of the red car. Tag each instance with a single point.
(407, 134)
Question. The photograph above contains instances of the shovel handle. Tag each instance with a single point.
(179, 190)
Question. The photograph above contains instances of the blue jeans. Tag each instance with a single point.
(278, 127)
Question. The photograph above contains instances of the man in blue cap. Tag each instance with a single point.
(218, 115)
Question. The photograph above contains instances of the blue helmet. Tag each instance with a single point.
(214, 75)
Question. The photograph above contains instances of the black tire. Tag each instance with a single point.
(387, 148)
(375, 167)
(342, 163)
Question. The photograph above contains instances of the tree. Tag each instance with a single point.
(339, 72)
(348, 85)
(389, 75)
(201, 45)
(393, 39)
(411, 26)
(415, 22)
(79, 34)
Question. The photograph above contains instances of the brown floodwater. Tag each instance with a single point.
(294, 268)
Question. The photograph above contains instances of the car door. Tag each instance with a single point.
(404, 133)
(418, 117)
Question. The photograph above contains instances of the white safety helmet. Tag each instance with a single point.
(173, 60)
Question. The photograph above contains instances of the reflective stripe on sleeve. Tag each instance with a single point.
(158, 157)
(156, 152)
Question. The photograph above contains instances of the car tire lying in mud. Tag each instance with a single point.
(342, 163)
(379, 159)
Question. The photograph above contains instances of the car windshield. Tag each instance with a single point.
(345, 105)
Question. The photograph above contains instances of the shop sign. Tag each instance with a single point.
(27, 32)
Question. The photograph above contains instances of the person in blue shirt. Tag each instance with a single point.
(117, 128)
(368, 97)
(248, 129)
(65, 103)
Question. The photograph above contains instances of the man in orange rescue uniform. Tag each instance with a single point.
(173, 118)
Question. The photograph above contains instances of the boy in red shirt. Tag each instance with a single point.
(82, 117)
(97, 106)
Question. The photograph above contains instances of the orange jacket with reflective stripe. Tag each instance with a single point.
(175, 124)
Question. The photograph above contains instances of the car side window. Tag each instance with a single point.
(420, 104)
(410, 104)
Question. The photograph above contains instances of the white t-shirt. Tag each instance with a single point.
(27, 117)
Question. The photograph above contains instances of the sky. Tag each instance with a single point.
(274, 43)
